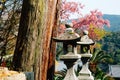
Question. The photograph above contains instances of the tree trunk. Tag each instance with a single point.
(34, 47)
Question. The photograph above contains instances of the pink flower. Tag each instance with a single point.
(69, 8)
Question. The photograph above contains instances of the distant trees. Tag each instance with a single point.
(111, 44)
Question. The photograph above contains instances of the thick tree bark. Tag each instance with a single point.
(33, 50)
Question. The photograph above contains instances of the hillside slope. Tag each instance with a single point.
(114, 22)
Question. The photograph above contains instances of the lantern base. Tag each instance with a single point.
(70, 55)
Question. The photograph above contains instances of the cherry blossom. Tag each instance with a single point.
(68, 8)
(93, 22)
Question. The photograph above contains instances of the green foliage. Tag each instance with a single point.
(100, 56)
(100, 75)
(59, 50)
(111, 44)
(78, 70)
(99, 63)
(58, 78)
(60, 75)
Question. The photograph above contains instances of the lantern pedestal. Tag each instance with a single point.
(85, 73)
(69, 61)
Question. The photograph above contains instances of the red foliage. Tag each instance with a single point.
(94, 18)
(94, 23)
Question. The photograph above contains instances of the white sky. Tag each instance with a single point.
(105, 6)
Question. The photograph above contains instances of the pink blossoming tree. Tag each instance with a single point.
(93, 22)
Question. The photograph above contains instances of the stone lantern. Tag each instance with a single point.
(69, 39)
(85, 43)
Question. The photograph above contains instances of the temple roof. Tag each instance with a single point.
(114, 71)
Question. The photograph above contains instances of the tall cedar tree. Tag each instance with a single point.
(35, 50)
